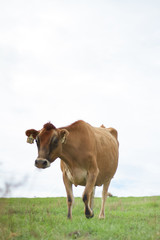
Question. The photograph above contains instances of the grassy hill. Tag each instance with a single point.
(45, 219)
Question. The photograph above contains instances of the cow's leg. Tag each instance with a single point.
(104, 196)
(91, 200)
(91, 180)
(70, 198)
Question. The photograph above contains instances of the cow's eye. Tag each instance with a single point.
(54, 140)
(37, 141)
(53, 143)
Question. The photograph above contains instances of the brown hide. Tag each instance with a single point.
(89, 157)
(87, 146)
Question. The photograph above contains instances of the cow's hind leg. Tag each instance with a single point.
(104, 196)
(70, 198)
(92, 176)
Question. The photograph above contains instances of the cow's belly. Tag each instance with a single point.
(78, 177)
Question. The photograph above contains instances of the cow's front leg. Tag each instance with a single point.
(91, 180)
(91, 200)
(70, 198)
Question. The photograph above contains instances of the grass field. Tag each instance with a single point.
(45, 219)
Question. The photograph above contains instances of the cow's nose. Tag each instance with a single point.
(42, 163)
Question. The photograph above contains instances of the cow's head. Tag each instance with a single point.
(49, 143)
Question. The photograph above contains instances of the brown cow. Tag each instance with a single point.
(89, 157)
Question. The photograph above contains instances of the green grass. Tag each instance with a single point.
(45, 219)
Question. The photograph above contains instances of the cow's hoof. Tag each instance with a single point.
(88, 212)
(90, 216)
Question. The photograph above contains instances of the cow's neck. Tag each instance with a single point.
(69, 153)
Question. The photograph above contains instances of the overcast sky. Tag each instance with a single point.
(98, 61)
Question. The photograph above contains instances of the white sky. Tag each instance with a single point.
(62, 61)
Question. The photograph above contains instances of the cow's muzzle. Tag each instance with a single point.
(42, 163)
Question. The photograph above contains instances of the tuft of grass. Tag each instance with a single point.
(45, 219)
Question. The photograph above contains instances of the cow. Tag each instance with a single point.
(89, 157)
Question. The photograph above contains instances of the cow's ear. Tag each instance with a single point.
(31, 134)
(63, 135)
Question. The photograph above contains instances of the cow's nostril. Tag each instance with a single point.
(45, 163)
(36, 162)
